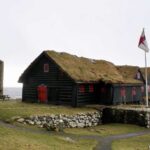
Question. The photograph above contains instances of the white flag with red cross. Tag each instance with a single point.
(143, 43)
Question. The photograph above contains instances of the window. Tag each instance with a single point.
(133, 91)
(123, 91)
(91, 88)
(82, 88)
(46, 67)
(138, 75)
(142, 89)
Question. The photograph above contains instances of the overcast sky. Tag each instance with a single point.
(100, 29)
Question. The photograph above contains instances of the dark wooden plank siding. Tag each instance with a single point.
(57, 82)
(95, 97)
(85, 97)
(129, 97)
(63, 90)
(29, 93)
(66, 94)
(104, 93)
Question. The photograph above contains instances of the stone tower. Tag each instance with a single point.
(1, 76)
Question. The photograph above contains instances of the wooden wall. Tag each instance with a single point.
(85, 96)
(63, 90)
(129, 97)
(102, 94)
(60, 86)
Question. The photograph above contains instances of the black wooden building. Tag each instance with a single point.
(62, 78)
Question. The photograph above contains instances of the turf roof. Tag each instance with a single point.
(143, 72)
(89, 70)
(82, 69)
(129, 73)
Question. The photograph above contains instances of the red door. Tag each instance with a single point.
(42, 93)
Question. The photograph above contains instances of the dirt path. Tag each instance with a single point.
(104, 143)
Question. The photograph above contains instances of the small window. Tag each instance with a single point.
(82, 88)
(142, 89)
(123, 91)
(133, 91)
(138, 75)
(91, 88)
(46, 67)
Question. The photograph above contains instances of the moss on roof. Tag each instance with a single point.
(142, 69)
(89, 70)
(128, 73)
(82, 69)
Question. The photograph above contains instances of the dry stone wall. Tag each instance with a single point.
(83, 120)
(130, 116)
(54, 122)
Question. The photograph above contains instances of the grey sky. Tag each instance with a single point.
(100, 29)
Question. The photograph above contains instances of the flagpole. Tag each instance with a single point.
(146, 85)
(144, 46)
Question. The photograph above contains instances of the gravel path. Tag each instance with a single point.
(104, 143)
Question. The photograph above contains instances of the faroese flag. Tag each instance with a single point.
(143, 43)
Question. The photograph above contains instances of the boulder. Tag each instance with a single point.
(72, 124)
(80, 125)
(38, 122)
(30, 122)
(21, 120)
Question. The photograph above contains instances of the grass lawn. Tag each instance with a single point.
(9, 109)
(13, 139)
(135, 143)
(106, 130)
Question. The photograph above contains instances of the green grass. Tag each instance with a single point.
(106, 130)
(24, 140)
(13, 139)
(135, 143)
(9, 109)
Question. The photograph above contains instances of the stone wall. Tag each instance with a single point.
(82, 120)
(131, 116)
(1, 76)
(53, 122)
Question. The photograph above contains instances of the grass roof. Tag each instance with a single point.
(82, 69)
(89, 70)
(129, 73)
(143, 72)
